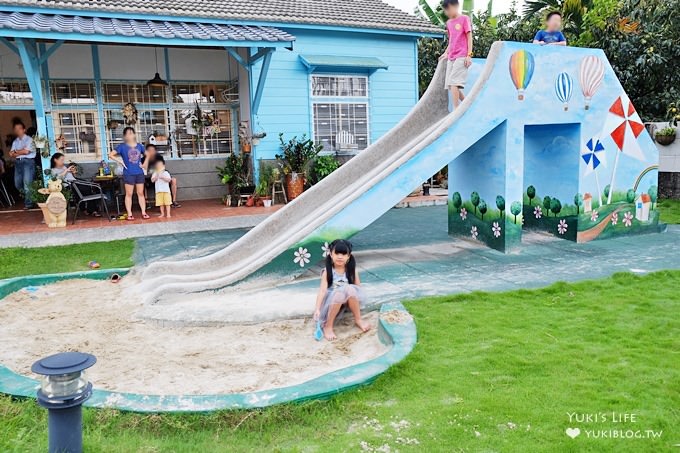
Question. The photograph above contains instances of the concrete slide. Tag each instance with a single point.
(427, 121)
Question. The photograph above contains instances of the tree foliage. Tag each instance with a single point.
(555, 206)
(531, 193)
(578, 201)
(474, 199)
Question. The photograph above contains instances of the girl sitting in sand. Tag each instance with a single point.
(339, 288)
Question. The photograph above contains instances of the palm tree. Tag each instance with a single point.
(572, 11)
(437, 15)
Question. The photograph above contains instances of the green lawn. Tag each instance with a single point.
(491, 372)
(18, 261)
(670, 211)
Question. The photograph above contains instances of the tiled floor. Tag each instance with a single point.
(13, 221)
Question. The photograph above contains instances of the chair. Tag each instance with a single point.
(81, 187)
(345, 142)
(3, 189)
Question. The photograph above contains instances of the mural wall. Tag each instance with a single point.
(547, 141)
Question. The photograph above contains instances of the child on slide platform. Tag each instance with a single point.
(340, 287)
(551, 36)
(458, 52)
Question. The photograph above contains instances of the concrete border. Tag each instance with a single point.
(399, 336)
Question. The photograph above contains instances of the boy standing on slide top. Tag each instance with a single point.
(459, 50)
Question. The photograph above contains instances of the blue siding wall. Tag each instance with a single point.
(285, 105)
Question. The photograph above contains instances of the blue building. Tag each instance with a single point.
(342, 72)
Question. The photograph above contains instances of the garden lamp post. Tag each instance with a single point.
(63, 390)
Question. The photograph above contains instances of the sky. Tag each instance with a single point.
(499, 6)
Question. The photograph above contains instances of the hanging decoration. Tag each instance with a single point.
(130, 114)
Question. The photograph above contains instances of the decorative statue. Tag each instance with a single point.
(55, 206)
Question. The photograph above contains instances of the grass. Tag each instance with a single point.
(490, 372)
(670, 211)
(19, 261)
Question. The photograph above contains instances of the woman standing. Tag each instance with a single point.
(129, 155)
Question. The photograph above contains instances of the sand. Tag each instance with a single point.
(143, 357)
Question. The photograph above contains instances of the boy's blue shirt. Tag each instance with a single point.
(549, 37)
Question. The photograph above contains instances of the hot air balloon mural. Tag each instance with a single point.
(564, 85)
(521, 70)
(591, 74)
(594, 156)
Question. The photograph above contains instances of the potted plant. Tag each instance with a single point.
(324, 166)
(665, 136)
(235, 175)
(244, 138)
(264, 187)
(297, 156)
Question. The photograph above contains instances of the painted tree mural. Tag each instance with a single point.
(531, 193)
(653, 193)
(482, 208)
(457, 201)
(555, 206)
(516, 209)
(474, 199)
(546, 204)
(500, 204)
(630, 196)
(578, 201)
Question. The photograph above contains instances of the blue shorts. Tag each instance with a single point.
(131, 180)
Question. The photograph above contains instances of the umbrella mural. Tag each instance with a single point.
(564, 85)
(624, 126)
(521, 70)
(594, 156)
(591, 74)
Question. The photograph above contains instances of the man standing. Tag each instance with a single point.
(23, 151)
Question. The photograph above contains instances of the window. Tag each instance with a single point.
(78, 127)
(218, 103)
(208, 140)
(15, 93)
(340, 112)
(70, 93)
(137, 93)
(150, 122)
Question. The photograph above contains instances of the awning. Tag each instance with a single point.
(315, 62)
(130, 31)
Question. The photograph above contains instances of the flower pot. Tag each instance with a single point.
(665, 140)
(246, 148)
(295, 185)
(267, 203)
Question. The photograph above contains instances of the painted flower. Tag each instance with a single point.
(463, 214)
(628, 219)
(473, 232)
(615, 218)
(594, 216)
(325, 248)
(538, 213)
(562, 226)
(496, 229)
(302, 257)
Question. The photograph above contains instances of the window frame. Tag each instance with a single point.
(347, 100)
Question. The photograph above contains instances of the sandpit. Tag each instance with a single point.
(141, 357)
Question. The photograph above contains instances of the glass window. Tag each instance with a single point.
(205, 93)
(339, 86)
(66, 93)
(205, 140)
(137, 93)
(150, 123)
(80, 133)
(15, 93)
(340, 112)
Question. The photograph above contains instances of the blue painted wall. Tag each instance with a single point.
(286, 105)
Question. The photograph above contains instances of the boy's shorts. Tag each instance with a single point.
(163, 199)
(456, 73)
